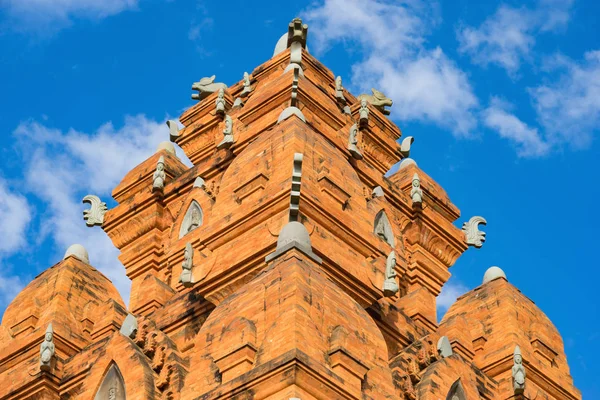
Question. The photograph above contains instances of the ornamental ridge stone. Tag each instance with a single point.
(95, 214)
(473, 236)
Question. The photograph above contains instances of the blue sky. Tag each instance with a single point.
(503, 99)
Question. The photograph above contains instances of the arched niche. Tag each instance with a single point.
(456, 392)
(113, 385)
(193, 219)
(383, 229)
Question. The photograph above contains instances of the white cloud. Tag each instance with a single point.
(528, 140)
(450, 292)
(65, 166)
(15, 214)
(45, 14)
(569, 107)
(424, 83)
(507, 37)
(10, 286)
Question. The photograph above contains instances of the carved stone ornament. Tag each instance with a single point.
(129, 326)
(113, 385)
(339, 91)
(205, 87)
(296, 186)
(363, 113)
(457, 392)
(297, 32)
(95, 214)
(228, 133)
(247, 88)
(173, 130)
(416, 192)
(405, 146)
(220, 102)
(47, 350)
(444, 348)
(193, 217)
(186, 267)
(294, 100)
(353, 141)
(159, 175)
(377, 100)
(473, 236)
(390, 286)
(377, 192)
(383, 228)
(518, 372)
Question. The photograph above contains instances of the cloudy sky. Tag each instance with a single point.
(502, 97)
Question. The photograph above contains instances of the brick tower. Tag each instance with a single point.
(282, 265)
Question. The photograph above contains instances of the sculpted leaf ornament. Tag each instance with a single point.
(95, 215)
(473, 236)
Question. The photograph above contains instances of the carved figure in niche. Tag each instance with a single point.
(220, 102)
(113, 385)
(416, 193)
(247, 88)
(205, 87)
(159, 175)
(186, 267)
(228, 132)
(390, 287)
(383, 228)
(339, 90)
(353, 141)
(191, 220)
(518, 372)
(47, 350)
(377, 100)
(363, 113)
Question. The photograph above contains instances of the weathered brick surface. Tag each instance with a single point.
(247, 329)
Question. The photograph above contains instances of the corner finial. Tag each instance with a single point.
(353, 143)
(158, 184)
(129, 326)
(247, 86)
(297, 32)
(47, 350)
(227, 133)
(416, 193)
(518, 372)
(493, 273)
(79, 252)
(220, 102)
(166, 146)
(444, 347)
(95, 214)
(363, 113)
(173, 130)
(405, 146)
(205, 87)
(473, 236)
